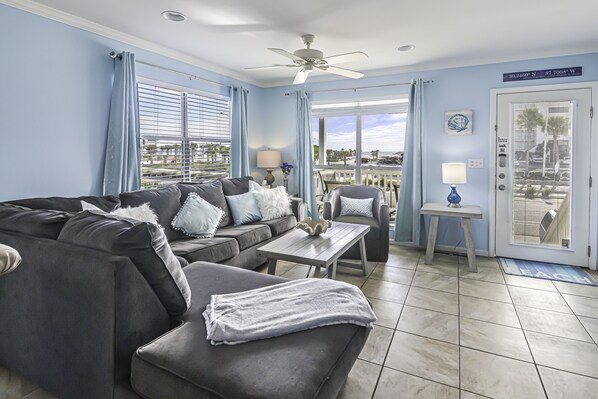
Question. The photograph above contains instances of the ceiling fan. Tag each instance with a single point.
(308, 59)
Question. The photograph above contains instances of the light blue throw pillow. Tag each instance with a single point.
(244, 208)
(197, 217)
(357, 207)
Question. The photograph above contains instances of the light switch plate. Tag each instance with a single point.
(475, 163)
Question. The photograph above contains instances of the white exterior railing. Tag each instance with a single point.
(386, 178)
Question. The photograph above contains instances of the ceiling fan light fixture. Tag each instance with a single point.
(407, 47)
(174, 16)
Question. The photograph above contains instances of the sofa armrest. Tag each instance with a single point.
(330, 205)
(298, 208)
(72, 317)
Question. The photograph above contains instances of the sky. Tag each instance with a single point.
(384, 132)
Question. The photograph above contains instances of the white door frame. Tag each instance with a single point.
(593, 86)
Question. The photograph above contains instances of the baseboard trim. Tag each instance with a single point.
(443, 248)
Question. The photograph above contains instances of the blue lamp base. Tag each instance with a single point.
(454, 198)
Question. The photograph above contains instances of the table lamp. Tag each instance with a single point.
(454, 173)
(269, 159)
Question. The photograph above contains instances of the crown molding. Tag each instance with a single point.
(87, 25)
(93, 27)
(440, 65)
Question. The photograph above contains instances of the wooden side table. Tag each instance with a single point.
(466, 213)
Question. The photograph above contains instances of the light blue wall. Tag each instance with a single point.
(458, 88)
(55, 86)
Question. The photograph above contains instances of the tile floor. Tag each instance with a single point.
(443, 332)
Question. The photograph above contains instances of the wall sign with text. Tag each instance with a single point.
(541, 74)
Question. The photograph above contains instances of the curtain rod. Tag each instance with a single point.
(360, 88)
(114, 54)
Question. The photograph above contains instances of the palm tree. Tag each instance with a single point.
(557, 125)
(177, 148)
(194, 147)
(344, 154)
(316, 153)
(529, 119)
(151, 150)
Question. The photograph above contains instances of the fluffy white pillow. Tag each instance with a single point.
(143, 212)
(273, 203)
(254, 186)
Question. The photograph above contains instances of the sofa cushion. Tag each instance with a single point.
(146, 245)
(215, 249)
(42, 223)
(165, 201)
(69, 204)
(374, 232)
(212, 192)
(280, 225)
(246, 235)
(183, 364)
(236, 185)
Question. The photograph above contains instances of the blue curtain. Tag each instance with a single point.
(122, 164)
(408, 224)
(305, 171)
(239, 160)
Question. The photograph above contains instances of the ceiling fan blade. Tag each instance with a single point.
(301, 77)
(271, 67)
(342, 72)
(348, 57)
(285, 53)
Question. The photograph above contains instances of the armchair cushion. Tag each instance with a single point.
(374, 232)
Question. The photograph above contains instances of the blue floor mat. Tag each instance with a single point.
(547, 271)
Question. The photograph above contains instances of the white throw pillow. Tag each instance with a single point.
(90, 207)
(143, 212)
(197, 217)
(357, 207)
(273, 203)
(254, 186)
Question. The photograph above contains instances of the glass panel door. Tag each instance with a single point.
(542, 176)
(540, 154)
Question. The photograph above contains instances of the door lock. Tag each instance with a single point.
(502, 187)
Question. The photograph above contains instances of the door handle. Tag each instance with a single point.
(502, 187)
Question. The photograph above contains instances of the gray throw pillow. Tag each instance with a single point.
(197, 217)
(144, 243)
(357, 207)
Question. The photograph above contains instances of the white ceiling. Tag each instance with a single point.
(230, 35)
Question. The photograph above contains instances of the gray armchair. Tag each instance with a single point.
(376, 241)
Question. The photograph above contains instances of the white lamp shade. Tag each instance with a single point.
(454, 173)
(268, 159)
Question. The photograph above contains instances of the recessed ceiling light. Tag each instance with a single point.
(174, 16)
(407, 47)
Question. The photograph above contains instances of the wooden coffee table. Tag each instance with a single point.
(321, 251)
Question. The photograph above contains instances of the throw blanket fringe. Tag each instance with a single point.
(285, 308)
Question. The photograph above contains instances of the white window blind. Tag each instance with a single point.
(185, 136)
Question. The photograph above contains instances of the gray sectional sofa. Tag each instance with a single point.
(83, 322)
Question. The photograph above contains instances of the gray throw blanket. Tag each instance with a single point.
(283, 309)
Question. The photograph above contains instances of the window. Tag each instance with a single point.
(185, 135)
(360, 143)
